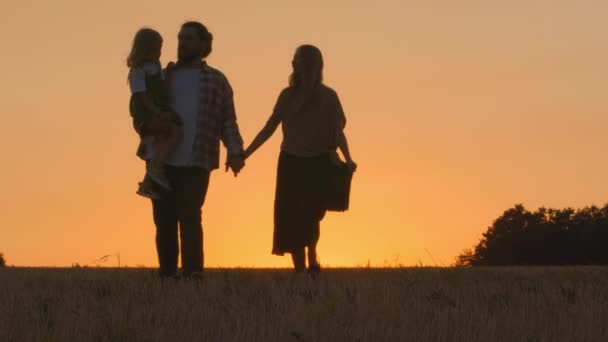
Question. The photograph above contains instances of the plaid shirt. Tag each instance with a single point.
(216, 120)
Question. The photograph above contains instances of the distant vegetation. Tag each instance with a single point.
(2, 261)
(543, 237)
(498, 304)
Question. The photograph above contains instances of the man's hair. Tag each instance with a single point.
(203, 34)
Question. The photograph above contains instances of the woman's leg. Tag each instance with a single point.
(314, 268)
(298, 257)
(313, 260)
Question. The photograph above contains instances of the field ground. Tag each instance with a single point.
(401, 304)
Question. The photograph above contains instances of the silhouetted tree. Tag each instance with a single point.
(464, 259)
(544, 237)
(2, 261)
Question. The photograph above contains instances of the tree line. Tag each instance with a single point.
(543, 237)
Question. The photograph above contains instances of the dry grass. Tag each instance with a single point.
(407, 304)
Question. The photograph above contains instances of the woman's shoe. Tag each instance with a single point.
(314, 270)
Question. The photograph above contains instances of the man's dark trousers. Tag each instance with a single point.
(181, 207)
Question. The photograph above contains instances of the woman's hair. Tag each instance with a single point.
(204, 35)
(312, 66)
(145, 40)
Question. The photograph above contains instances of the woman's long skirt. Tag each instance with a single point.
(299, 201)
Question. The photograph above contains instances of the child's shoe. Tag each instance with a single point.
(145, 190)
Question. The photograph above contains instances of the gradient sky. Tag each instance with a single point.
(456, 111)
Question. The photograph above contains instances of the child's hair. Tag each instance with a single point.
(143, 43)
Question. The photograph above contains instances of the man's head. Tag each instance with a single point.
(194, 42)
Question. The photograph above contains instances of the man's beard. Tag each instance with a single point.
(184, 56)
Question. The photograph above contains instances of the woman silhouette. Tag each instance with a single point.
(313, 128)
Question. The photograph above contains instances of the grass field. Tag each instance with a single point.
(402, 304)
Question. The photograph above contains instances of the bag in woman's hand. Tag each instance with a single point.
(338, 185)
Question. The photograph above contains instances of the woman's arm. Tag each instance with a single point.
(264, 134)
(270, 127)
(343, 146)
(342, 142)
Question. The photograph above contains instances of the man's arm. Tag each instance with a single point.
(230, 135)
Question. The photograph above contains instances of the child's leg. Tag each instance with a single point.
(156, 171)
(160, 130)
(148, 189)
(167, 143)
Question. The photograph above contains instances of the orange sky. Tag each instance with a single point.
(457, 111)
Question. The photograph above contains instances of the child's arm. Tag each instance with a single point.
(168, 73)
(149, 104)
(137, 84)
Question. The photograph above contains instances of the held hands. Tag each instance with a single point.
(236, 163)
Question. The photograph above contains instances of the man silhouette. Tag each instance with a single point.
(202, 96)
